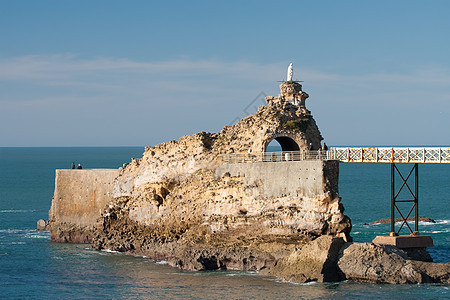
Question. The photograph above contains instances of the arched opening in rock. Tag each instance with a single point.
(273, 146)
(282, 143)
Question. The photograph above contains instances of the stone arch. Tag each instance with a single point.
(286, 142)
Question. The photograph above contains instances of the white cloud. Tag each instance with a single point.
(44, 67)
(188, 90)
(71, 70)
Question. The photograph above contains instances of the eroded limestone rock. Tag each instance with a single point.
(181, 203)
(366, 262)
(315, 261)
(174, 196)
(42, 225)
(173, 204)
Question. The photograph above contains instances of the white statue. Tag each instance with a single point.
(290, 72)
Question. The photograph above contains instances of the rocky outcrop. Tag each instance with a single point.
(231, 219)
(315, 261)
(387, 221)
(64, 232)
(42, 225)
(366, 262)
(181, 202)
(330, 259)
(168, 163)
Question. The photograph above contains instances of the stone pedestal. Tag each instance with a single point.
(405, 241)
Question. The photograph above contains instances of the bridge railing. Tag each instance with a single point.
(391, 154)
(276, 156)
(350, 154)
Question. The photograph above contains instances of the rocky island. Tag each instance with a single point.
(218, 201)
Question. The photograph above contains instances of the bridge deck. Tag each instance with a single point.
(391, 154)
(350, 154)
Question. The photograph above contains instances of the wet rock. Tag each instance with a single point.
(42, 225)
(239, 258)
(420, 254)
(366, 262)
(433, 272)
(315, 261)
(70, 233)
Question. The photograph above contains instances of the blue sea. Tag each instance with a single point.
(32, 267)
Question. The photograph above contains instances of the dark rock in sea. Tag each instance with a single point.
(222, 259)
(420, 254)
(68, 233)
(387, 221)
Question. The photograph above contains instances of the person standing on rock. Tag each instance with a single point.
(72, 166)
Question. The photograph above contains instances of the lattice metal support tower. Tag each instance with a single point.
(415, 199)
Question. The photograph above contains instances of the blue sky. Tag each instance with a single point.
(135, 73)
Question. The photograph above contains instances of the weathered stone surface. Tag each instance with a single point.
(315, 261)
(433, 272)
(42, 225)
(227, 258)
(181, 193)
(222, 212)
(405, 241)
(173, 204)
(62, 232)
(367, 262)
(174, 161)
(420, 254)
(291, 92)
(181, 203)
(190, 249)
(79, 199)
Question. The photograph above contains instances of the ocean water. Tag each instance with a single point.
(32, 267)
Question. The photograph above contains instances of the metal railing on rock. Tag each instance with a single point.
(349, 154)
(276, 156)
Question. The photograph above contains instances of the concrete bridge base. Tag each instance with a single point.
(405, 241)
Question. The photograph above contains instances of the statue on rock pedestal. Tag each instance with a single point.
(291, 92)
(290, 72)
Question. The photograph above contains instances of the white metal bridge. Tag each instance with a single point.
(391, 154)
(350, 154)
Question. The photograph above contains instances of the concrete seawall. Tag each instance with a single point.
(291, 178)
(79, 198)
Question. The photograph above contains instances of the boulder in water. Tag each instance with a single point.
(315, 261)
(366, 262)
(42, 225)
